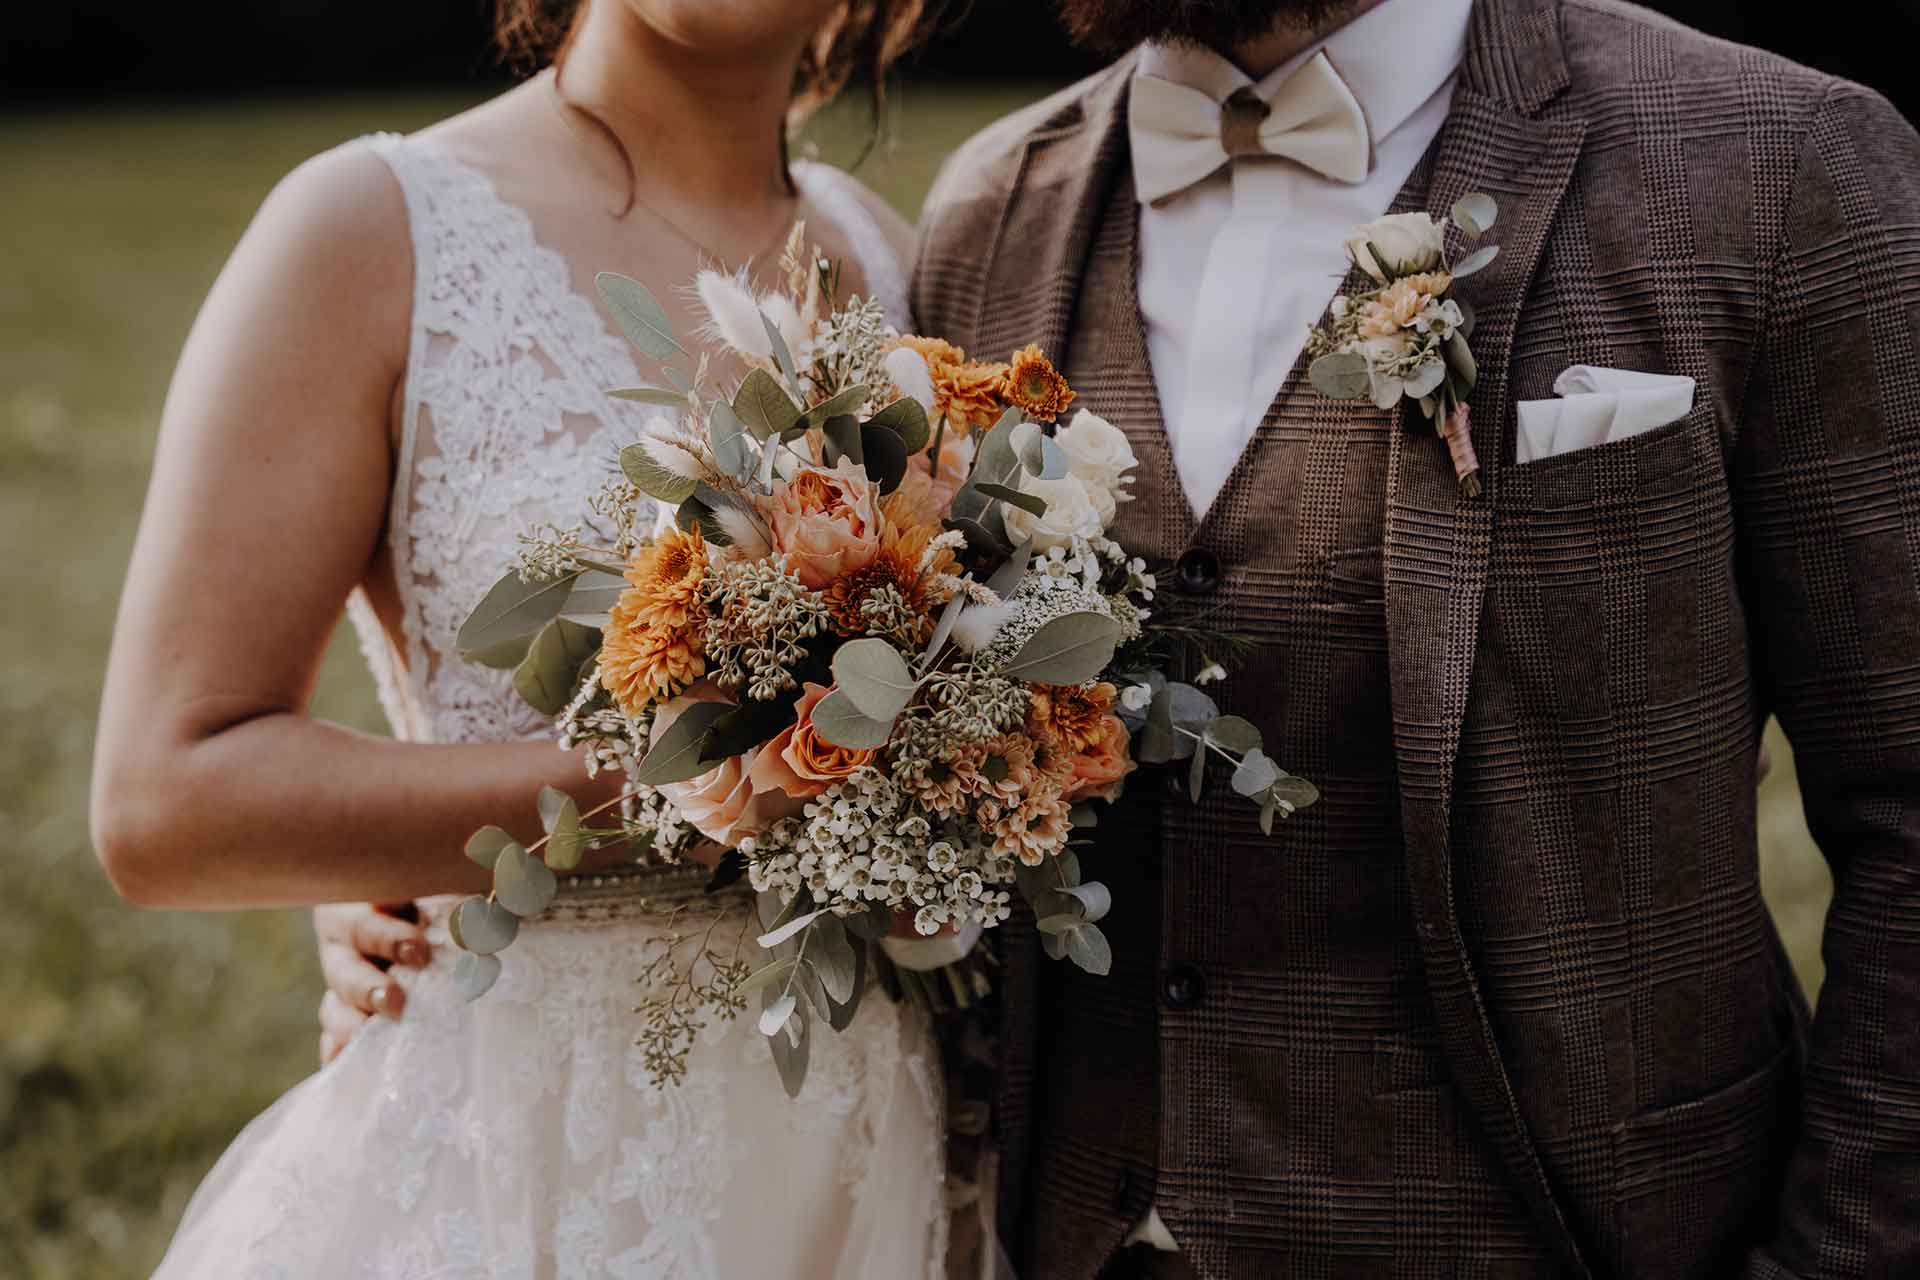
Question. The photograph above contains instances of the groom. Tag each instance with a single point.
(1507, 1002)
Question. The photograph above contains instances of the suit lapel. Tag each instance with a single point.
(1438, 543)
(1046, 227)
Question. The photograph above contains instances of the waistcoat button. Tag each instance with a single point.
(1184, 987)
(1197, 571)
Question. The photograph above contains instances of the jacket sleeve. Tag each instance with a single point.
(1826, 475)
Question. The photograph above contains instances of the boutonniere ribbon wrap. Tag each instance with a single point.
(1407, 337)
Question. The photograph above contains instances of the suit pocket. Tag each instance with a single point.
(1695, 1183)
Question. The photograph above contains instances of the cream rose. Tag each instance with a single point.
(825, 522)
(1071, 512)
(1097, 451)
(1410, 242)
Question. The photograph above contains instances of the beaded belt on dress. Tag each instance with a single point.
(627, 893)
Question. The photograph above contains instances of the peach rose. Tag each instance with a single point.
(826, 522)
(1099, 770)
(724, 803)
(798, 761)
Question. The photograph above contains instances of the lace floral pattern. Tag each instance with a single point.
(518, 1136)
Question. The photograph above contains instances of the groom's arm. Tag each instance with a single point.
(1827, 486)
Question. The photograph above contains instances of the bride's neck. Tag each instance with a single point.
(706, 126)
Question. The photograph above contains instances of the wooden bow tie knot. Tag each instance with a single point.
(1241, 116)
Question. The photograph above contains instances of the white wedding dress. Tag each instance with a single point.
(519, 1136)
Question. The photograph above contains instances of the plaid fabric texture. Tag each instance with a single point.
(1508, 1001)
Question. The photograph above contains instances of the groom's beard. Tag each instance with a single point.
(1111, 27)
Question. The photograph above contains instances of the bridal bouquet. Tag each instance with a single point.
(879, 650)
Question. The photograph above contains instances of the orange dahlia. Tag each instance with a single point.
(972, 395)
(1033, 384)
(1069, 714)
(903, 542)
(651, 649)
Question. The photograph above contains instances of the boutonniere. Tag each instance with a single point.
(1407, 336)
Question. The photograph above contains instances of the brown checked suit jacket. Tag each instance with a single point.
(1578, 664)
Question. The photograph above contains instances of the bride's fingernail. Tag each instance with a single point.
(414, 954)
(390, 1001)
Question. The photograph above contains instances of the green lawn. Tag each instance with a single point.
(134, 1045)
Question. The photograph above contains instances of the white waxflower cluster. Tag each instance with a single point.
(864, 840)
(612, 739)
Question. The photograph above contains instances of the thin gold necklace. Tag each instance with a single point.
(561, 105)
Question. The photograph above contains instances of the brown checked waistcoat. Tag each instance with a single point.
(1508, 1002)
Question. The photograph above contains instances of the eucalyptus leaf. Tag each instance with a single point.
(1468, 317)
(1083, 816)
(1427, 378)
(567, 840)
(1475, 212)
(676, 754)
(1070, 649)
(638, 464)
(594, 594)
(775, 937)
(782, 356)
(484, 927)
(884, 457)
(546, 677)
(1030, 503)
(906, 418)
(833, 959)
(1055, 945)
(846, 401)
(732, 447)
(475, 974)
(640, 314)
(1064, 922)
(875, 677)
(1197, 776)
(502, 626)
(1341, 375)
(873, 923)
(522, 883)
(1193, 707)
(1254, 774)
(773, 1019)
(1088, 948)
(1095, 900)
(1387, 390)
(1294, 793)
(729, 871)
(1475, 261)
(1460, 356)
(842, 440)
(484, 845)
(768, 975)
(1158, 741)
(840, 1013)
(1233, 733)
(764, 407)
(943, 629)
(1008, 575)
(664, 396)
(986, 535)
(790, 1052)
(839, 721)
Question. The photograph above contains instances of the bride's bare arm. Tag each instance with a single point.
(212, 786)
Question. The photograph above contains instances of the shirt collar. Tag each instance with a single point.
(1393, 57)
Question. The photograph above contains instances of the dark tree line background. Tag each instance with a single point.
(83, 51)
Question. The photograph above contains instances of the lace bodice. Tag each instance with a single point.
(506, 422)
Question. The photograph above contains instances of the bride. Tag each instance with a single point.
(401, 367)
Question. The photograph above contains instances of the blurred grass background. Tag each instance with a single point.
(133, 1046)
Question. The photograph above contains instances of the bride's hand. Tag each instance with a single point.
(358, 941)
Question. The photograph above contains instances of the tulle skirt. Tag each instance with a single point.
(522, 1136)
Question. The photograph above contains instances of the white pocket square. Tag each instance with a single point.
(1599, 406)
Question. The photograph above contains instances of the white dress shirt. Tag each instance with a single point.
(1234, 269)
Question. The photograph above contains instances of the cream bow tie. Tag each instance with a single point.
(1180, 134)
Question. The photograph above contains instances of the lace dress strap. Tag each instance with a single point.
(837, 194)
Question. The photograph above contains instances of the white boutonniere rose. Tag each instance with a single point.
(1410, 243)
